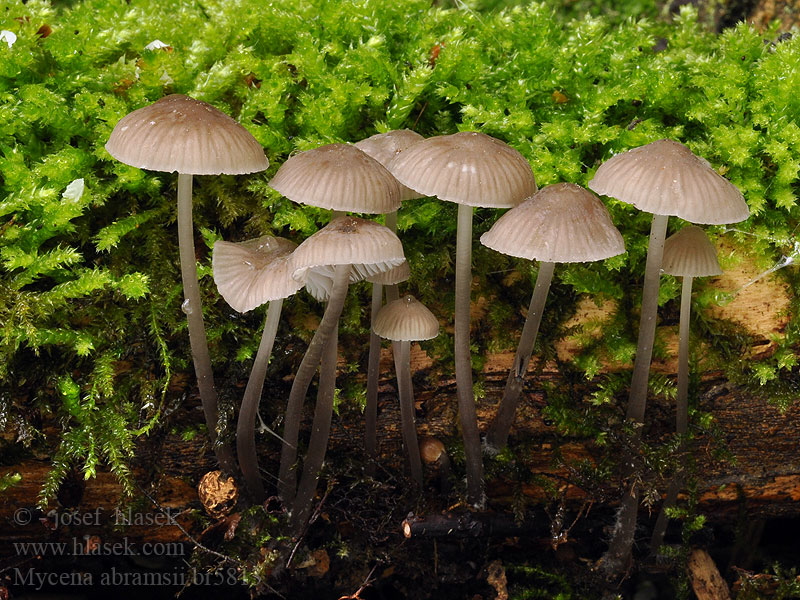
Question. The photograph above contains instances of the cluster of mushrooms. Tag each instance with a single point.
(559, 223)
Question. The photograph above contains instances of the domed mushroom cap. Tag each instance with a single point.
(467, 168)
(368, 247)
(559, 223)
(178, 133)
(253, 272)
(338, 177)
(405, 320)
(665, 178)
(383, 147)
(689, 253)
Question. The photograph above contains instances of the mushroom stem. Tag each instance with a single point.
(402, 364)
(373, 366)
(497, 436)
(301, 506)
(373, 373)
(619, 550)
(637, 400)
(245, 429)
(682, 399)
(681, 412)
(466, 400)
(193, 308)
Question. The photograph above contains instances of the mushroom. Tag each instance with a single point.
(559, 223)
(687, 254)
(406, 320)
(663, 178)
(249, 274)
(178, 133)
(339, 177)
(347, 249)
(383, 147)
(471, 169)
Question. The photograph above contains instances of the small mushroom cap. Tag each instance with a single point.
(338, 177)
(383, 147)
(405, 320)
(178, 133)
(689, 253)
(253, 272)
(559, 223)
(369, 247)
(430, 449)
(467, 168)
(665, 178)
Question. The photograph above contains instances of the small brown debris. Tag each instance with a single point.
(218, 495)
(707, 583)
(497, 579)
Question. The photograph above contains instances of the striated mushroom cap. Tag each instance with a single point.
(559, 223)
(178, 133)
(467, 168)
(338, 177)
(383, 147)
(689, 253)
(251, 273)
(405, 320)
(665, 178)
(368, 247)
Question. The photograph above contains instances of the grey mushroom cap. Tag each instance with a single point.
(559, 223)
(468, 168)
(689, 253)
(338, 177)
(406, 320)
(370, 248)
(666, 178)
(383, 147)
(184, 135)
(251, 273)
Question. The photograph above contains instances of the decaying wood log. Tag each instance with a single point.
(764, 479)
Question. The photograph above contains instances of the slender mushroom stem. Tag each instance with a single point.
(402, 364)
(466, 399)
(682, 399)
(320, 431)
(373, 365)
(287, 475)
(497, 436)
(681, 412)
(619, 549)
(637, 400)
(245, 429)
(373, 372)
(193, 308)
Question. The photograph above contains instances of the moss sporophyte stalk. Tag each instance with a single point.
(94, 343)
